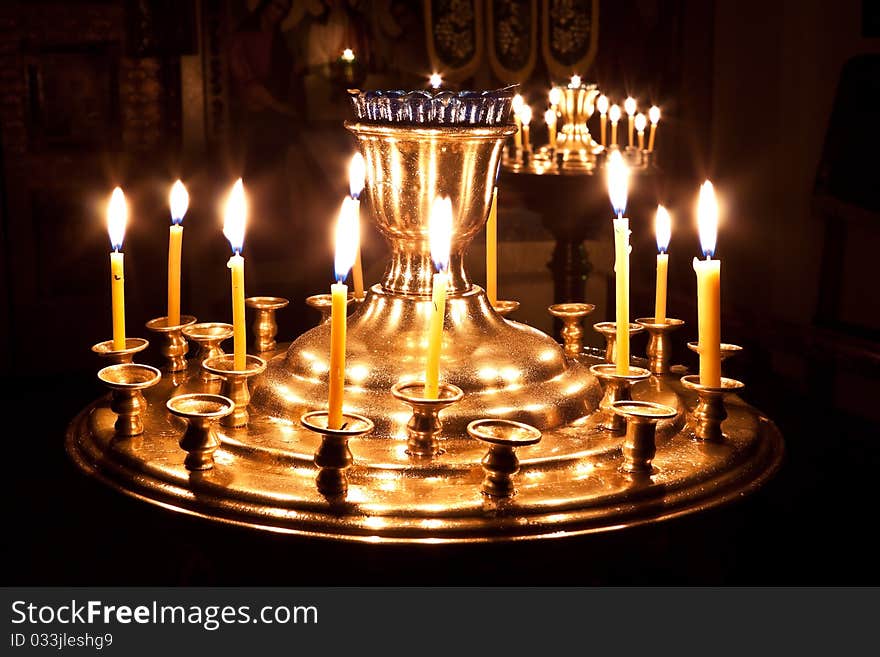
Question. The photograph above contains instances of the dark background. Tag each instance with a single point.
(777, 102)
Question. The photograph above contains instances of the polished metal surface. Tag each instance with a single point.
(116, 357)
(424, 427)
(323, 303)
(500, 462)
(265, 328)
(575, 143)
(174, 347)
(727, 349)
(618, 387)
(200, 411)
(235, 384)
(571, 315)
(208, 336)
(505, 307)
(707, 416)
(659, 348)
(639, 446)
(334, 457)
(128, 381)
(608, 330)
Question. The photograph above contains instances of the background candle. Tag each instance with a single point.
(555, 97)
(641, 122)
(618, 175)
(179, 202)
(233, 228)
(517, 105)
(708, 289)
(550, 120)
(347, 245)
(614, 116)
(630, 106)
(117, 216)
(654, 116)
(602, 106)
(663, 231)
(441, 235)
(356, 175)
(492, 251)
(525, 116)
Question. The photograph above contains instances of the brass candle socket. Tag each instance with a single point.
(727, 349)
(501, 462)
(618, 387)
(235, 384)
(709, 413)
(208, 336)
(334, 457)
(118, 356)
(609, 332)
(175, 347)
(126, 380)
(323, 304)
(639, 445)
(424, 426)
(505, 307)
(264, 325)
(200, 411)
(659, 348)
(571, 315)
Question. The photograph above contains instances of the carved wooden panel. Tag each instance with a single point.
(570, 35)
(454, 30)
(512, 38)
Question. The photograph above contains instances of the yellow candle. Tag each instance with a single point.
(708, 289)
(602, 106)
(179, 202)
(233, 228)
(441, 234)
(525, 117)
(654, 115)
(617, 191)
(347, 245)
(356, 176)
(117, 216)
(640, 129)
(550, 120)
(492, 251)
(517, 105)
(614, 115)
(630, 106)
(663, 231)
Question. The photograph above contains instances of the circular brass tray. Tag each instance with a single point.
(570, 483)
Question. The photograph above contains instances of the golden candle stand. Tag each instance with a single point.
(392, 474)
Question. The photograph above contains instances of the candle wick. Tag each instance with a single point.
(344, 426)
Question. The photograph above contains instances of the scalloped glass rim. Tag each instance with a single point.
(423, 107)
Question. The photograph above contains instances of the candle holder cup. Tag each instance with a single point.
(639, 444)
(235, 384)
(333, 456)
(200, 411)
(709, 413)
(425, 426)
(659, 350)
(505, 307)
(323, 303)
(618, 387)
(265, 328)
(126, 381)
(175, 347)
(608, 330)
(119, 356)
(501, 462)
(208, 336)
(727, 350)
(571, 315)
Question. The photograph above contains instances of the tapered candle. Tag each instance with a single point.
(492, 251)
(117, 216)
(663, 231)
(618, 175)
(550, 120)
(356, 175)
(517, 105)
(630, 106)
(347, 244)
(179, 202)
(641, 122)
(654, 115)
(602, 106)
(555, 97)
(614, 116)
(233, 228)
(525, 116)
(441, 236)
(708, 289)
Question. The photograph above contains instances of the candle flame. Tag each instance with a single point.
(641, 122)
(517, 104)
(435, 80)
(630, 105)
(348, 55)
(654, 114)
(550, 117)
(179, 202)
(356, 174)
(614, 113)
(602, 104)
(575, 82)
(234, 217)
(618, 182)
(663, 228)
(707, 219)
(525, 114)
(555, 95)
(117, 217)
(348, 237)
(440, 230)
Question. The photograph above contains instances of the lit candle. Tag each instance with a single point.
(233, 228)
(517, 106)
(348, 55)
(435, 80)
(492, 250)
(617, 191)
(117, 216)
(663, 231)
(708, 289)
(347, 244)
(630, 106)
(525, 115)
(555, 97)
(441, 236)
(179, 202)
(356, 175)
(614, 116)
(602, 106)
(641, 123)
(550, 119)
(654, 115)
(575, 82)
